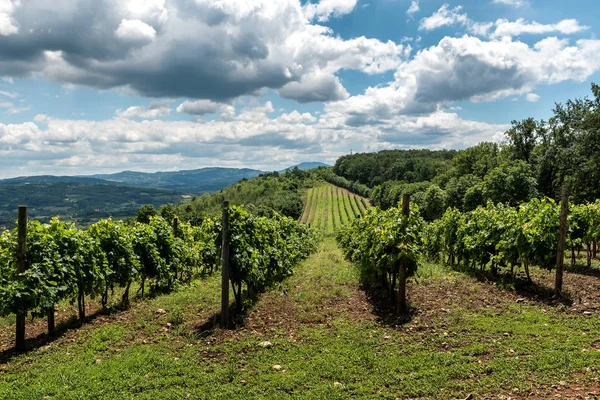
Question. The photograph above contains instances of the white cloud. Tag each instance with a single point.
(532, 97)
(469, 69)
(10, 95)
(135, 31)
(500, 28)
(203, 49)
(444, 17)
(324, 9)
(41, 118)
(514, 3)
(5, 104)
(251, 139)
(520, 26)
(18, 110)
(8, 25)
(414, 7)
(154, 110)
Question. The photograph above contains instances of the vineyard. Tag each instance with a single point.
(329, 322)
(46, 264)
(328, 208)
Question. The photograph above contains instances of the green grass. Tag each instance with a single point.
(322, 331)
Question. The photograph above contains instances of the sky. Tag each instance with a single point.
(100, 86)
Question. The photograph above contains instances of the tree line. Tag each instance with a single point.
(535, 159)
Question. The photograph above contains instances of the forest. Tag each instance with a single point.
(534, 160)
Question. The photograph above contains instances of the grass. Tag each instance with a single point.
(464, 337)
(329, 207)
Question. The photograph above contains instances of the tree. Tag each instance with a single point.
(457, 188)
(510, 183)
(145, 212)
(522, 138)
(168, 211)
(434, 203)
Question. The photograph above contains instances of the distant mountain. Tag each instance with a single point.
(201, 180)
(87, 198)
(306, 165)
(50, 179)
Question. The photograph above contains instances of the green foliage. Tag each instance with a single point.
(146, 212)
(497, 236)
(510, 183)
(264, 250)
(264, 195)
(381, 240)
(69, 263)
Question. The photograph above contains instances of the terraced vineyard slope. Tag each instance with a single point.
(328, 207)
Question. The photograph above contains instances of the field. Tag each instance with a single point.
(328, 207)
(324, 334)
(328, 339)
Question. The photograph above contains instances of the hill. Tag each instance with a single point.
(81, 200)
(203, 180)
(305, 166)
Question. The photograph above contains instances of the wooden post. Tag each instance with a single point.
(21, 267)
(175, 226)
(225, 266)
(562, 236)
(401, 308)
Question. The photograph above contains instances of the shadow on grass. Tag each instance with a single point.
(61, 328)
(384, 305)
(237, 319)
(519, 284)
(582, 269)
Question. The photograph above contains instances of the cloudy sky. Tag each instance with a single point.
(107, 85)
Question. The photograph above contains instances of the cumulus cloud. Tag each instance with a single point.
(316, 87)
(445, 16)
(203, 49)
(135, 31)
(8, 25)
(532, 97)
(199, 107)
(325, 9)
(154, 110)
(251, 138)
(468, 68)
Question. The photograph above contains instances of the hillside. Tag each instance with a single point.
(87, 198)
(83, 201)
(197, 181)
(329, 208)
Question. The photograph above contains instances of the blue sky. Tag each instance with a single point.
(108, 85)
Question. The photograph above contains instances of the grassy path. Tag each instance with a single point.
(327, 340)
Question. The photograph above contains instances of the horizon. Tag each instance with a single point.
(166, 86)
(161, 171)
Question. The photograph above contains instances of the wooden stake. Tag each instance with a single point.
(401, 308)
(225, 267)
(21, 267)
(562, 236)
(175, 226)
